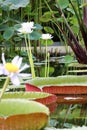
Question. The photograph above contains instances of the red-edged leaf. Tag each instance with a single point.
(33, 88)
(47, 100)
(71, 89)
(62, 84)
(52, 107)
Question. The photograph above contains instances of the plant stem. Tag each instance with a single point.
(46, 60)
(48, 65)
(28, 47)
(4, 87)
(31, 59)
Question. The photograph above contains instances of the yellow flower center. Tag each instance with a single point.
(11, 68)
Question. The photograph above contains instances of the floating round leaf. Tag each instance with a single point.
(45, 98)
(61, 85)
(20, 114)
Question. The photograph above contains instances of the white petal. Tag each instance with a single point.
(24, 75)
(19, 30)
(3, 58)
(29, 30)
(19, 62)
(28, 25)
(15, 60)
(11, 74)
(24, 67)
(31, 24)
(3, 70)
(46, 36)
(15, 80)
(23, 24)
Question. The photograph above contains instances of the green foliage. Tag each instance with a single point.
(68, 59)
(42, 70)
(13, 4)
(46, 17)
(38, 27)
(63, 3)
(48, 29)
(35, 35)
(9, 32)
(49, 42)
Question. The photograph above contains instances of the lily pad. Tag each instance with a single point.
(20, 114)
(42, 97)
(60, 85)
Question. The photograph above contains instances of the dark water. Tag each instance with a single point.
(70, 112)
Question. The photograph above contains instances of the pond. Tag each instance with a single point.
(69, 111)
(70, 108)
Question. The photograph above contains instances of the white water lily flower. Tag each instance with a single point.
(46, 36)
(26, 28)
(13, 69)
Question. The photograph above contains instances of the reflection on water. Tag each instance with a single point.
(70, 111)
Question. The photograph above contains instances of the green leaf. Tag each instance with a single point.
(60, 80)
(16, 39)
(46, 17)
(42, 97)
(68, 59)
(23, 114)
(8, 33)
(14, 4)
(48, 29)
(38, 27)
(42, 71)
(83, 5)
(70, 10)
(63, 3)
(35, 35)
(49, 41)
(3, 27)
(26, 95)
(17, 26)
(21, 106)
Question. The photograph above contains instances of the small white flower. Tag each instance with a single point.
(46, 36)
(13, 69)
(26, 27)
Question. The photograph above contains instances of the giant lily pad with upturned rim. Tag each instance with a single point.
(59, 85)
(45, 98)
(21, 114)
(42, 97)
